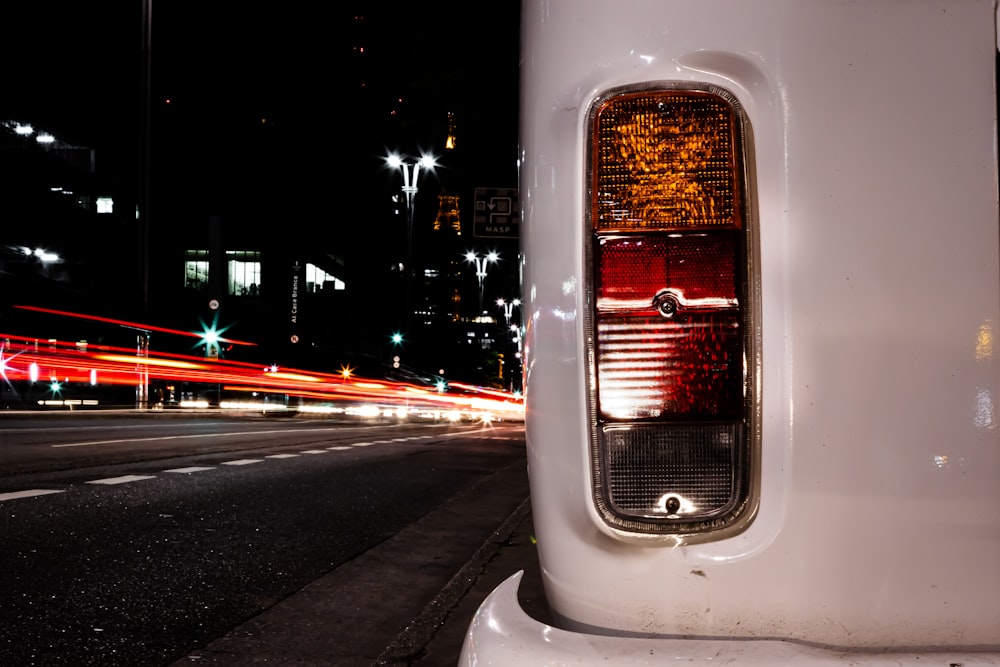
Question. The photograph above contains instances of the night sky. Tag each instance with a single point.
(222, 70)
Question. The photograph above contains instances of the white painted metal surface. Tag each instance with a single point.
(874, 156)
(502, 634)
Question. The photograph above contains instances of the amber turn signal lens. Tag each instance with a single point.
(665, 161)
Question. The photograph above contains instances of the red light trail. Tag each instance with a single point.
(125, 323)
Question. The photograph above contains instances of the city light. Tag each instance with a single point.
(481, 263)
(73, 371)
(508, 308)
(126, 323)
(411, 177)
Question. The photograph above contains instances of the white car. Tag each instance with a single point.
(762, 278)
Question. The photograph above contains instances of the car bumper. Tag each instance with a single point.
(501, 633)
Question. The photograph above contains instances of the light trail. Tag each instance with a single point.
(126, 323)
(63, 365)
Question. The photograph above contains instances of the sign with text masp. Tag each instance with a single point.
(497, 213)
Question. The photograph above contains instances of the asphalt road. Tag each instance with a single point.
(148, 541)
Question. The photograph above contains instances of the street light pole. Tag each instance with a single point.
(411, 174)
(508, 308)
(481, 264)
(515, 332)
(143, 206)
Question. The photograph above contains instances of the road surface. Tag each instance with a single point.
(139, 540)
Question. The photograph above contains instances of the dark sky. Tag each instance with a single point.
(77, 64)
(226, 65)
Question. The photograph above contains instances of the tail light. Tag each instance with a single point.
(672, 332)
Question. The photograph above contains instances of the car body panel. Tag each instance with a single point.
(874, 201)
(502, 634)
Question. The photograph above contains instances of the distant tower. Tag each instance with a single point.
(449, 143)
(456, 305)
(448, 217)
(441, 300)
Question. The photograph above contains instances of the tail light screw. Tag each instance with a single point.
(666, 303)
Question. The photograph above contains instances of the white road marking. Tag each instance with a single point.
(13, 495)
(124, 479)
(193, 435)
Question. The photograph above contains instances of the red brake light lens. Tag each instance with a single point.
(668, 329)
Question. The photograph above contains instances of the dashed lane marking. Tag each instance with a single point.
(229, 434)
(124, 479)
(28, 493)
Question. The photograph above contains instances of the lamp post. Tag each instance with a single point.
(411, 175)
(481, 264)
(515, 332)
(508, 308)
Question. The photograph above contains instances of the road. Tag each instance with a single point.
(139, 540)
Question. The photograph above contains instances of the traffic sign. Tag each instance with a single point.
(497, 213)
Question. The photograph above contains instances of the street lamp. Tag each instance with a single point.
(508, 308)
(411, 175)
(515, 332)
(481, 264)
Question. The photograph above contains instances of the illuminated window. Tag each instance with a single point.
(243, 269)
(318, 280)
(196, 269)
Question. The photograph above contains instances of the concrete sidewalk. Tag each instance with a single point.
(511, 549)
(354, 616)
